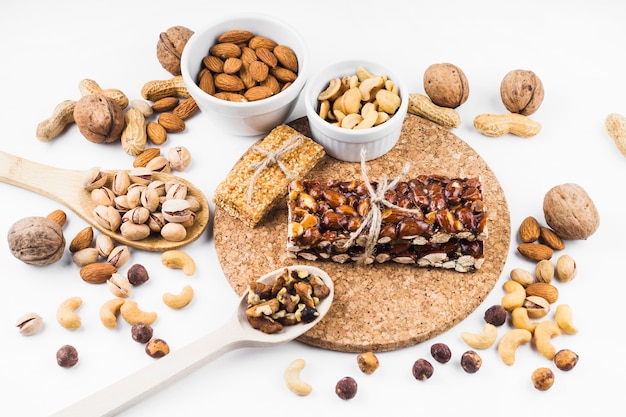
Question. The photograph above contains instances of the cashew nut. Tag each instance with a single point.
(515, 295)
(545, 331)
(180, 300)
(66, 313)
(132, 314)
(178, 259)
(510, 341)
(292, 378)
(482, 340)
(563, 317)
(109, 311)
(520, 319)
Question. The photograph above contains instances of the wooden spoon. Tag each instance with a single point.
(66, 187)
(236, 333)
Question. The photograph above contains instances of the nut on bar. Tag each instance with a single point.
(260, 177)
(431, 221)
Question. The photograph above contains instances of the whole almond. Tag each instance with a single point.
(283, 74)
(97, 273)
(529, 230)
(535, 251)
(171, 122)
(267, 57)
(213, 64)
(235, 36)
(258, 71)
(58, 216)
(225, 50)
(232, 65)
(146, 156)
(546, 291)
(187, 108)
(156, 133)
(262, 42)
(549, 237)
(165, 104)
(286, 57)
(206, 82)
(258, 93)
(228, 82)
(82, 240)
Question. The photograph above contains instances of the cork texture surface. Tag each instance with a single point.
(380, 307)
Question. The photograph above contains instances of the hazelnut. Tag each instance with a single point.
(67, 356)
(570, 212)
(36, 240)
(141, 332)
(521, 92)
(346, 388)
(565, 359)
(446, 85)
(441, 352)
(496, 315)
(99, 118)
(471, 362)
(368, 362)
(422, 369)
(137, 274)
(170, 48)
(543, 378)
(157, 348)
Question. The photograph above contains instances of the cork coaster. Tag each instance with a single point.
(388, 306)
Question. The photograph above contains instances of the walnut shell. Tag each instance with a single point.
(570, 212)
(36, 240)
(521, 92)
(170, 48)
(446, 85)
(99, 118)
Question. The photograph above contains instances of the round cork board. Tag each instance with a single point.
(380, 307)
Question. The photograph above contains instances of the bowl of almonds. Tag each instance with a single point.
(246, 72)
(356, 109)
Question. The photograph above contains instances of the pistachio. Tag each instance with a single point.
(536, 306)
(108, 217)
(119, 285)
(121, 182)
(29, 323)
(179, 158)
(105, 245)
(85, 256)
(140, 175)
(103, 196)
(119, 256)
(176, 210)
(94, 178)
(544, 271)
(135, 231)
(565, 268)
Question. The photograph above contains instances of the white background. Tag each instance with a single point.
(575, 47)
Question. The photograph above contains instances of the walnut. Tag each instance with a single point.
(570, 212)
(36, 240)
(170, 47)
(446, 85)
(99, 118)
(521, 92)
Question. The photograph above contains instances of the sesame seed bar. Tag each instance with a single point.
(260, 177)
(430, 221)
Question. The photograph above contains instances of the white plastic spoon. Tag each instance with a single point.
(236, 333)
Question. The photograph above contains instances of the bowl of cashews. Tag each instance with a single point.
(356, 109)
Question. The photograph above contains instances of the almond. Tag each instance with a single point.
(549, 237)
(283, 74)
(146, 156)
(267, 56)
(546, 291)
(82, 240)
(213, 64)
(207, 83)
(258, 71)
(286, 57)
(235, 36)
(171, 122)
(262, 42)
(165, 104)
(58, 216)
(156, 133)
(97, 273)
(186, 108)
(225, 50)
(228, 82)
(529, 230)
(258, 93)
(232, 65)
(535, 251)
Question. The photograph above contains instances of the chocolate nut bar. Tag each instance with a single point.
(261, 176)
(427, 221)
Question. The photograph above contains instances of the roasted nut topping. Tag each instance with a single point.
(346, 388)
(495, 315)
(565, 359)
(141, 332)
(471, 362)
(422, 369)
(67, 356)
(542, 378)
(441, 352)
(368, 362)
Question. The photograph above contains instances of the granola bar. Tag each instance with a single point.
(427, 221)
(261, 176)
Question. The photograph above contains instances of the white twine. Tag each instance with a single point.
(373, 219)
(271, 158)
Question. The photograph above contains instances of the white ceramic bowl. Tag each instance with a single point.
(249, 118)
(346, 144)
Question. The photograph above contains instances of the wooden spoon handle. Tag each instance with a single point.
(55, 183)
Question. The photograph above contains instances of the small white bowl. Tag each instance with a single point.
(346, 144)
(249, 118)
